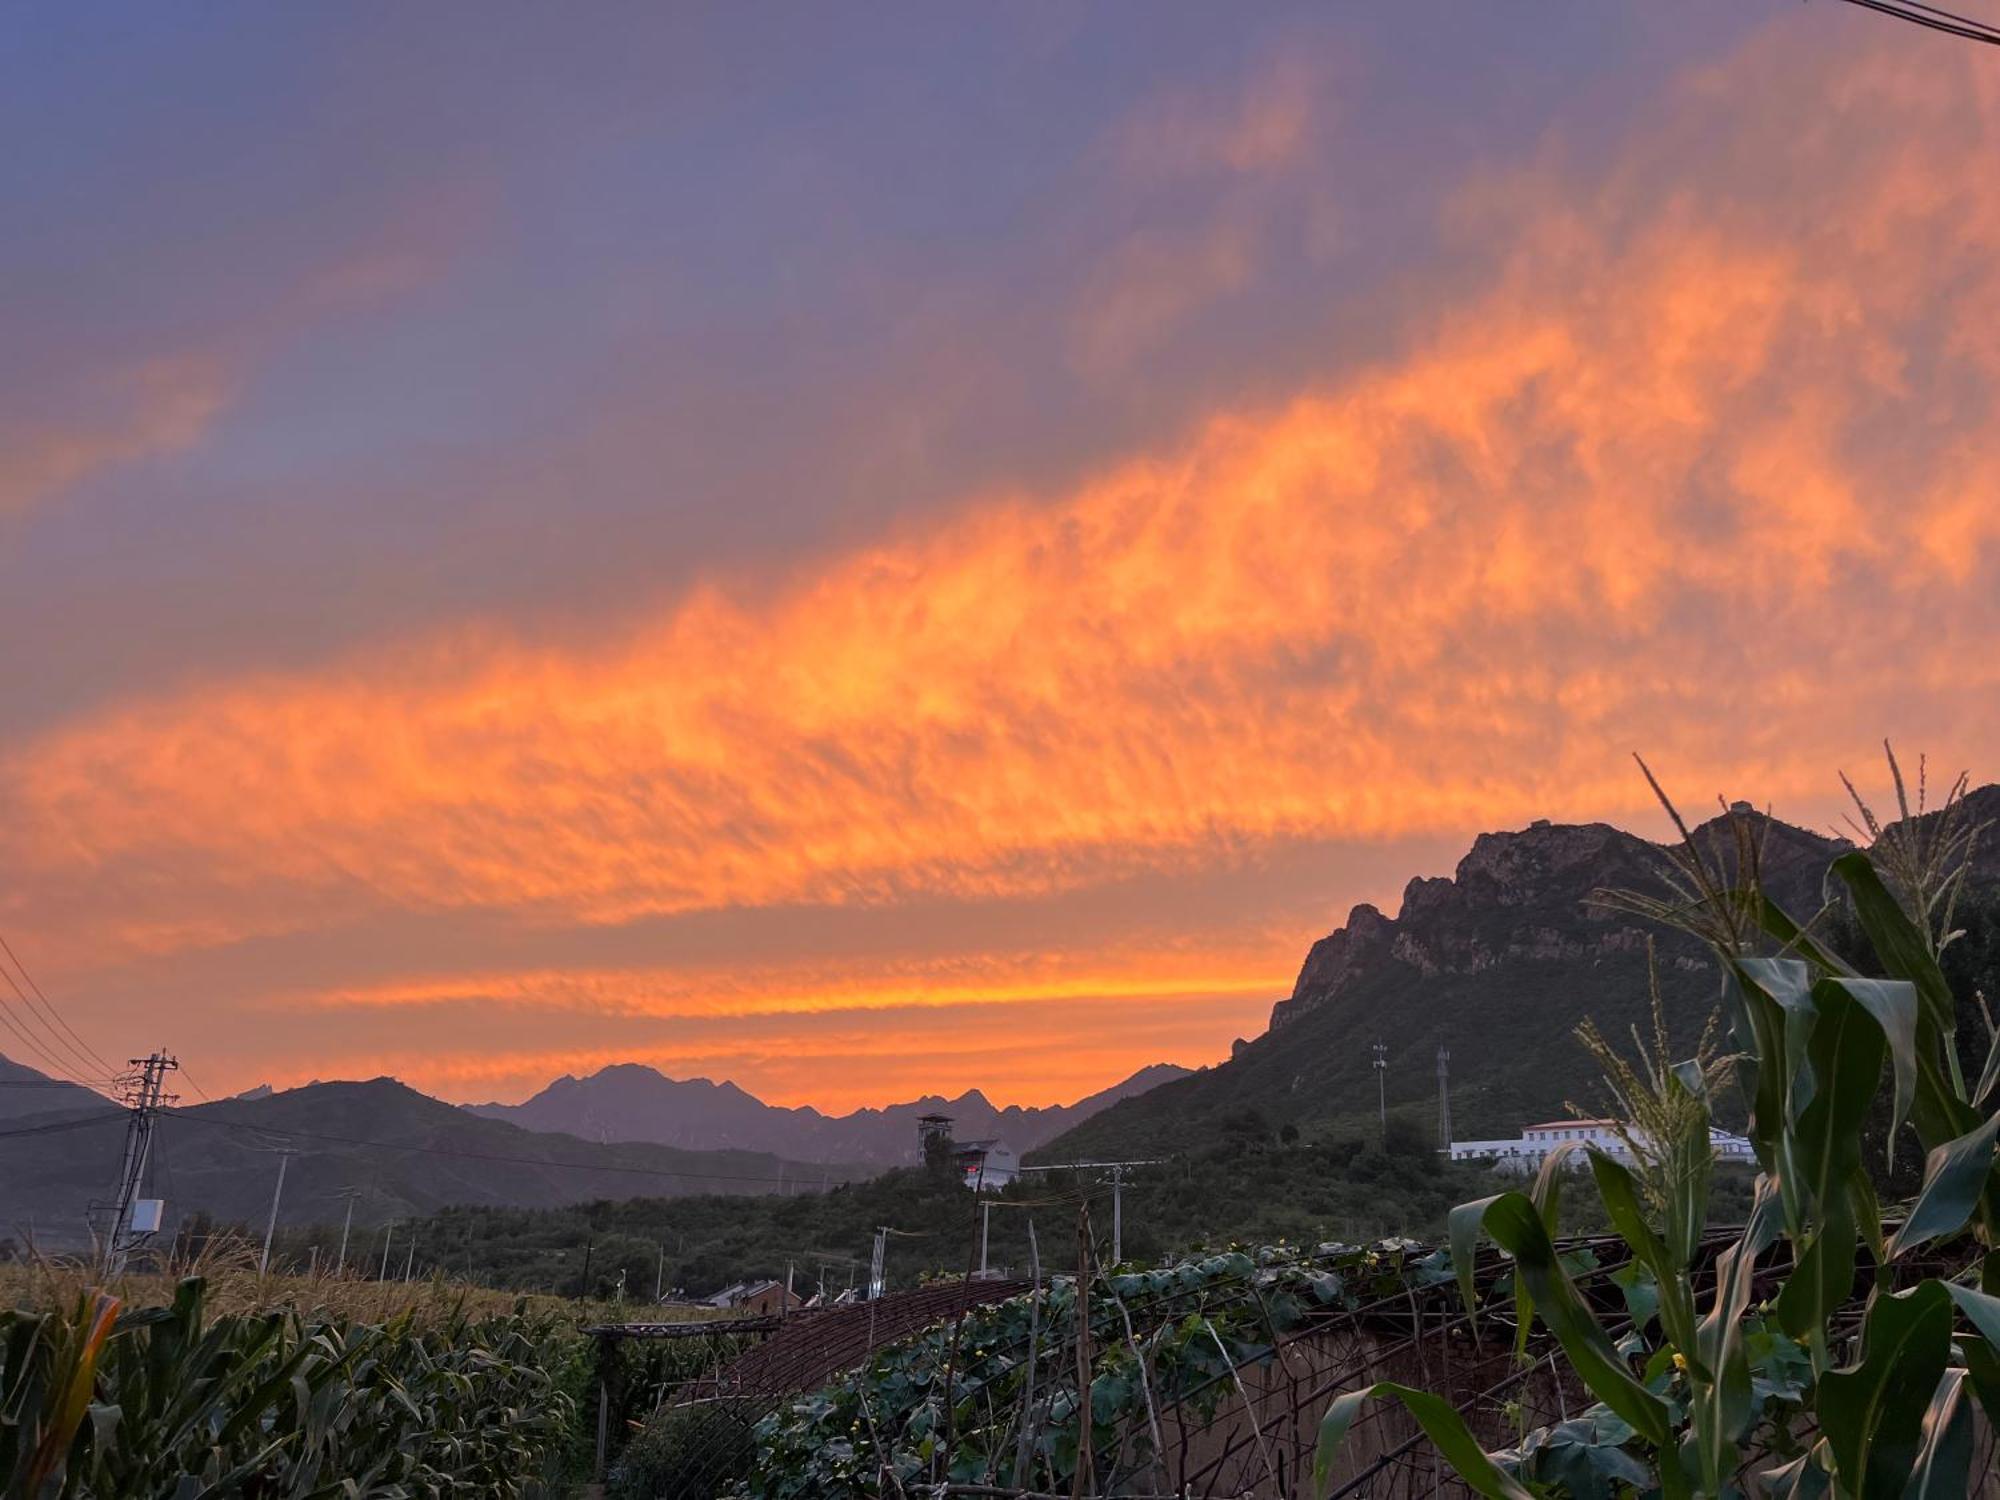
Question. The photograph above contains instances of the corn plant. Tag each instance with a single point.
(1714, 1387)
(170, 1402)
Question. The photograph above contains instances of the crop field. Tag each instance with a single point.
(208, 1373)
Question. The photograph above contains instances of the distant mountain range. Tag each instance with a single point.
(1499, 963)
(629, 1102)
(406, 1154)
(403, 1153)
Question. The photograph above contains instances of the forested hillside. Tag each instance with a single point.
(1499, 963)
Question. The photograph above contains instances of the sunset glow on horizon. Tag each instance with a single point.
(715, 578)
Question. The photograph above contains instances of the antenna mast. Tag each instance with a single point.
(1381, 1051)
(1444, 1097)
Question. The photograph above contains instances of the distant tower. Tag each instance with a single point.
(1381, 1051)
(1444, 1097)
(933, 1135)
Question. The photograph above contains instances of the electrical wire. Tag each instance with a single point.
(60, 1125)
(44, 1061)
(1949, 22)
(38, 1083)
(52, 1019)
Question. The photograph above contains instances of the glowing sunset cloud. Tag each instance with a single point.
(1701, 462)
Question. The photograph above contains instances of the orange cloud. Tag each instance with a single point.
(1264, 125)
(1162, 973)
(1686, 473)
(153, 409)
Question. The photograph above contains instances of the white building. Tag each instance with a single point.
(1525, 1154)
(988, 1165)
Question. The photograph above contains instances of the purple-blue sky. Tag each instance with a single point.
(870, 551)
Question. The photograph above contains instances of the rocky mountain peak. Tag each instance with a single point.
(1528, 894)
(1518, 868)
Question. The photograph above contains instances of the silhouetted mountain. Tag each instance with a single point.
(403, 1152)
(24, 1092)
(634, 1103)
(1500, 963)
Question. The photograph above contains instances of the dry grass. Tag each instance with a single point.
(230, 1269)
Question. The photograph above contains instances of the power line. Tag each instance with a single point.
(43, 1058)
(76, 1046)
(1949, 22)
(42, 1083)
(60, 1125)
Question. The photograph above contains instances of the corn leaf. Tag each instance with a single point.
(1873, 1412)
(1514, 1224)
(1897, 941)
(1955, 1177)
(1441, 1424)
(1943, 1469)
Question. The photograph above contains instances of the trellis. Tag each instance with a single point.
(1259, 1439)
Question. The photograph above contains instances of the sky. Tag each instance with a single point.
(876, 553)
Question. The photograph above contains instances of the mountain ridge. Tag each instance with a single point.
(26, 1091)
(403, 1153)
(1498, 962)
(631, 1101)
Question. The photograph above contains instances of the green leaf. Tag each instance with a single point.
(1804, 1478)
(1517, 1228)
(1955, 1177)
(1462, 1231)
(1723, 1404)
(1989, 1076)
(1873, 1412)
(1893, 1004)
(1981, 1309)
(1787, 983)
(1897, 941)
(1620, 1194)
(1846, 1055)
(1944, 1461)
(1440, 1423)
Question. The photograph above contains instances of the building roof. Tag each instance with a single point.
(1574, 1125)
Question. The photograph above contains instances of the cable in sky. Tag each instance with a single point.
(89, 1064)
(1949, 22)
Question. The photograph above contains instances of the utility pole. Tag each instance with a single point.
(346, 1224)
(1117, 1169)
(1444, 1098)
(985, 1229)
(140, 1091)
(1381, 1051)
(410, 1260)
(271, 1224)
(660, 1277)
(1117, 1213)
(875, 1262)
(388, 1234)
